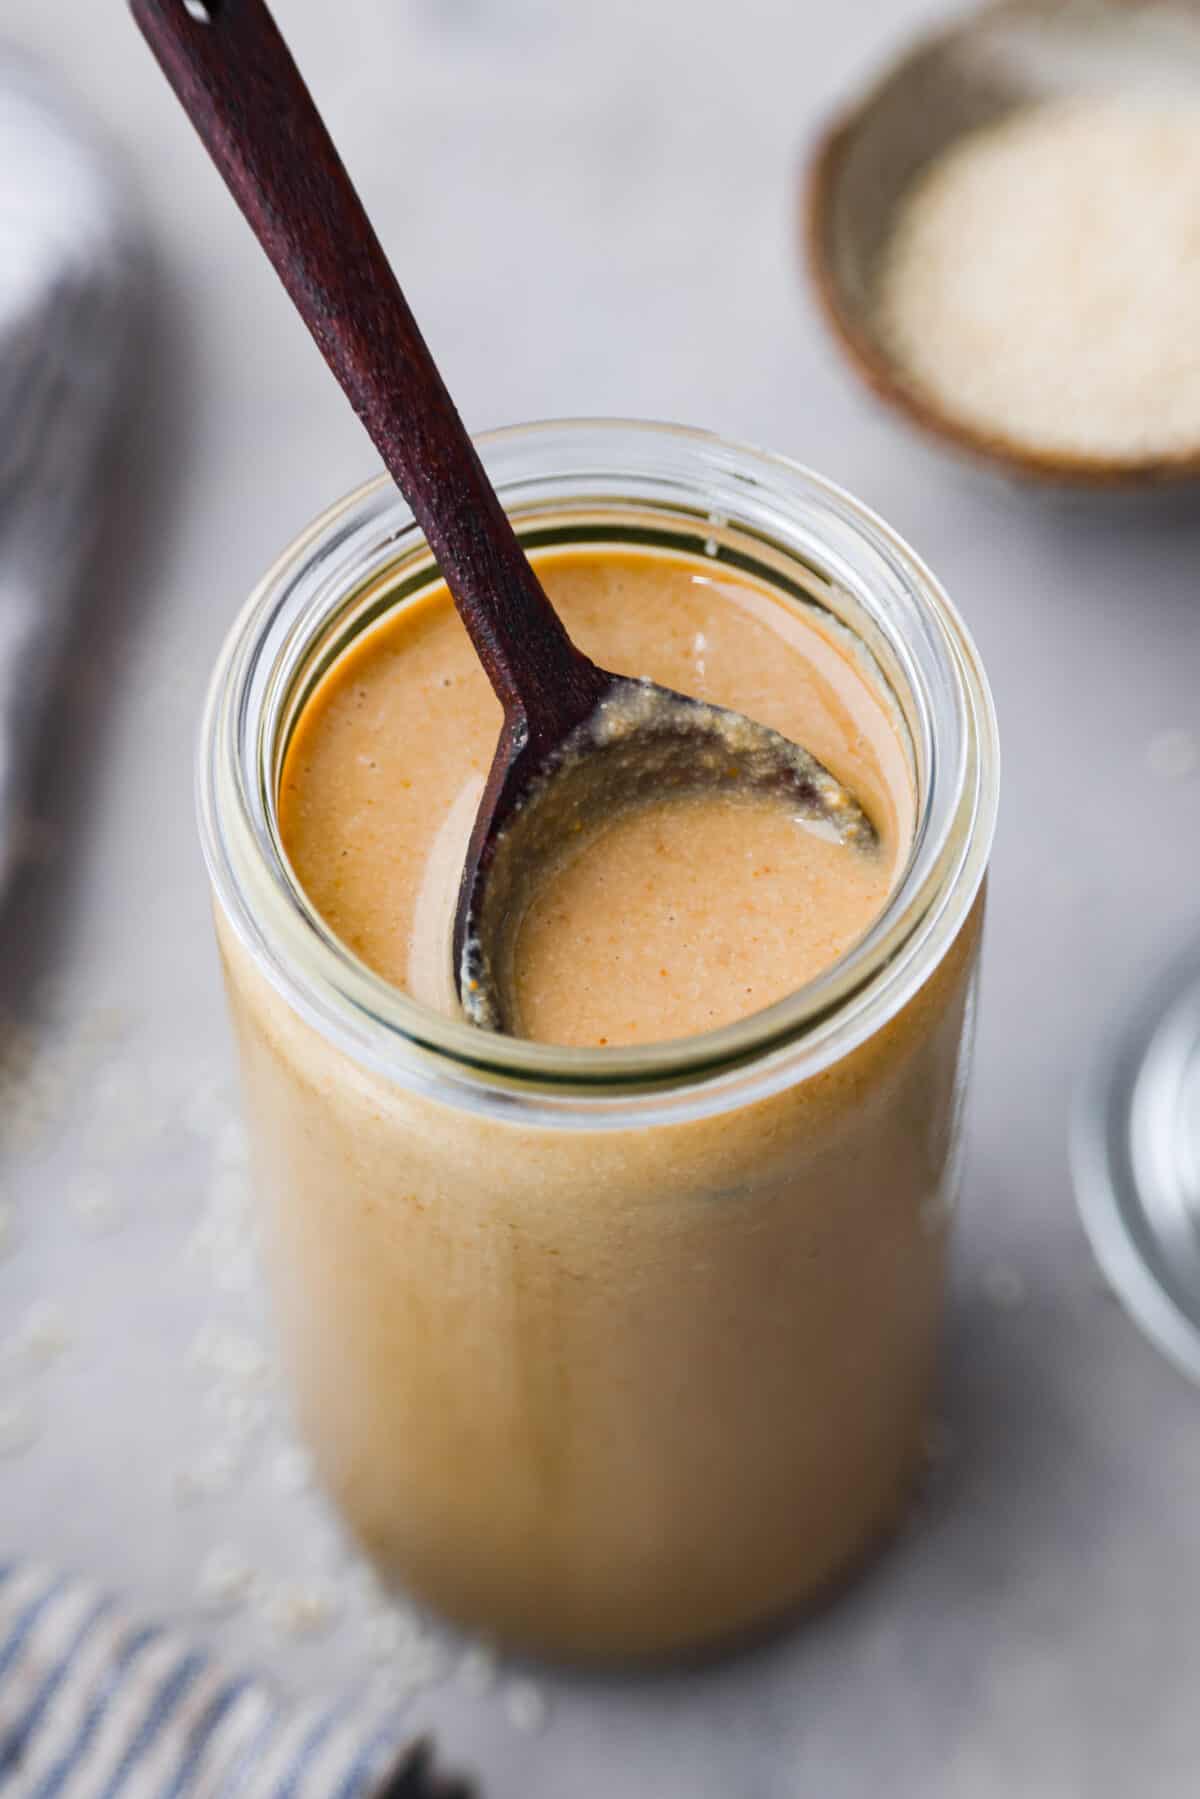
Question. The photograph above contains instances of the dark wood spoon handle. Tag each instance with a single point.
(238, 84)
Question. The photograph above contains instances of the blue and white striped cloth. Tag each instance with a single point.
(94, 1705)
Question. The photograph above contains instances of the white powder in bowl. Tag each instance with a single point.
(1042, 281)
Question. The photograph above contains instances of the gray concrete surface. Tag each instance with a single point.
(593, 210)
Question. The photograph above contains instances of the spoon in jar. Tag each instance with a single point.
(577, 742)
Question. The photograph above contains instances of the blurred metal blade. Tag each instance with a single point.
(71, 266)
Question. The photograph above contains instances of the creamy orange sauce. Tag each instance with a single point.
(681, 917)
(629, 1386)
(673, 920)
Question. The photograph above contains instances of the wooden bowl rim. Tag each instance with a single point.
(885, 377)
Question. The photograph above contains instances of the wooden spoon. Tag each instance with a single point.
(576, 741)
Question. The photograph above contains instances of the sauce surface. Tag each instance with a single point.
(675, 918)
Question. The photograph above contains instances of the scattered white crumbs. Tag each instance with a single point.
(303, 1605)
(224, 1350)
(210, 1475)
(391, 1633)
(43, 1334)
(525, 1706)
(68, 1077)
(478, 1670)
(206, 1109)
(123, 1114)
(244, 1414)
(224, 1240)
(226, 1579)
(417, 1665)
(1173, 755)
(291, 1469)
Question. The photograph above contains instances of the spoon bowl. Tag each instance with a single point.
(639, 743)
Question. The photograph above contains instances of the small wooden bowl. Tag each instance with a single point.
(979, 69)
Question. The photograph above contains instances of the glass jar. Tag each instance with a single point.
(610, 1352)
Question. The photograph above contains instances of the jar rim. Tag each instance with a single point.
(394, 1035)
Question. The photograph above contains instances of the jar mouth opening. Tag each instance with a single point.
(358, 560)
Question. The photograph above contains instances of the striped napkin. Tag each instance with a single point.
(95, 1705)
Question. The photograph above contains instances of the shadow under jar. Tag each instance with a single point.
(610, 1353)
